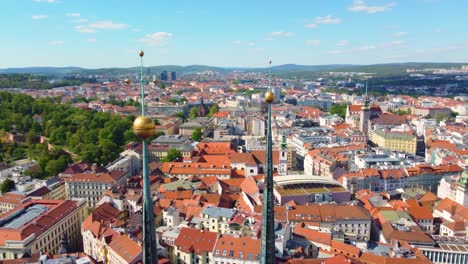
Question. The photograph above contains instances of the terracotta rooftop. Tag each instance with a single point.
(126, 248)
(239, 248)
(195, 241)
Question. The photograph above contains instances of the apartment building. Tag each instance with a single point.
(38, 226)
(91, 186)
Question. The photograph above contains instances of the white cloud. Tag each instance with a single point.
(84, 29)
(281, 34)
(56, 42)
(237, 42)
(73, 14)
(156, 38)
(311, 25)
(136, 30)
(45, 1)
(366, 48)
(312, 42)
(81, 20)
(399, 34)
(361, 6)
(251, 44)
(397, 43)
(91, 40)
(327, 20)
(107, 24)
(343, 42)
(38, 17)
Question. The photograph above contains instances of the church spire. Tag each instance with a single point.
(267, 255)
(366, 99)
(463, 180)
(284, 145)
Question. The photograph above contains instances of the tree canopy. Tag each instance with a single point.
(197, 134)
(172, 155)
(339, 109)
(92, 136)
(7, 185)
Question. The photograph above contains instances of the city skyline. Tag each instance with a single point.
(231, 34)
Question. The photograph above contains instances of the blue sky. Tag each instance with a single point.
(109, 33)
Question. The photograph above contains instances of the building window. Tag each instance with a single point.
(217, 252)
(224, 252)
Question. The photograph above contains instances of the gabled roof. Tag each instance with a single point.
(126, 248)
(191, 240)
(237, 247)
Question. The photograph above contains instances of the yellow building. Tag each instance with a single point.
(38, 226)
(194, 246)
(395, 141)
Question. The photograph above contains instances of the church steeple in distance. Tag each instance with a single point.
(366, 99)
(365, 115)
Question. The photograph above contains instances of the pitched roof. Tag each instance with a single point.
(126, 248)
(237, 247)
(312, 235)
(191, 240)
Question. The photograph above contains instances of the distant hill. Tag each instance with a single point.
(286, 69)
(42, 70)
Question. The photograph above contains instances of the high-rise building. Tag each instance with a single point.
(164, 76)
(173, 76)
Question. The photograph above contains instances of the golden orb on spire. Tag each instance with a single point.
(143, 127)
(269, 97)
(141, 53)
(128, 81)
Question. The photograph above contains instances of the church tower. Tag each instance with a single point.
(283, 157)
(365, 116)
(462, 187)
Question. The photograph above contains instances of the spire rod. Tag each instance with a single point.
(268, 233)
(142, 86)
(143, 127)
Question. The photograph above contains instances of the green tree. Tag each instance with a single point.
(7, 185)
(181, 115)
(213, 110)
(339, 109)
(197, 134)
(172, 155)
(193, 112)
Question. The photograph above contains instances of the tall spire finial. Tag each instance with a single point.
(268, 233)
(143, 127)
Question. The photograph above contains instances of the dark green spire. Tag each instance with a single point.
(366, 99)
(284, 145)
(267, 255)
(150, 252)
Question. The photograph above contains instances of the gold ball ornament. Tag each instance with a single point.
(128, 81)
(143, 127)
(269, 97)
(141, 53)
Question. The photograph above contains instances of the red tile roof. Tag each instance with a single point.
(234, 246)
(126, 248)
(192, 240)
